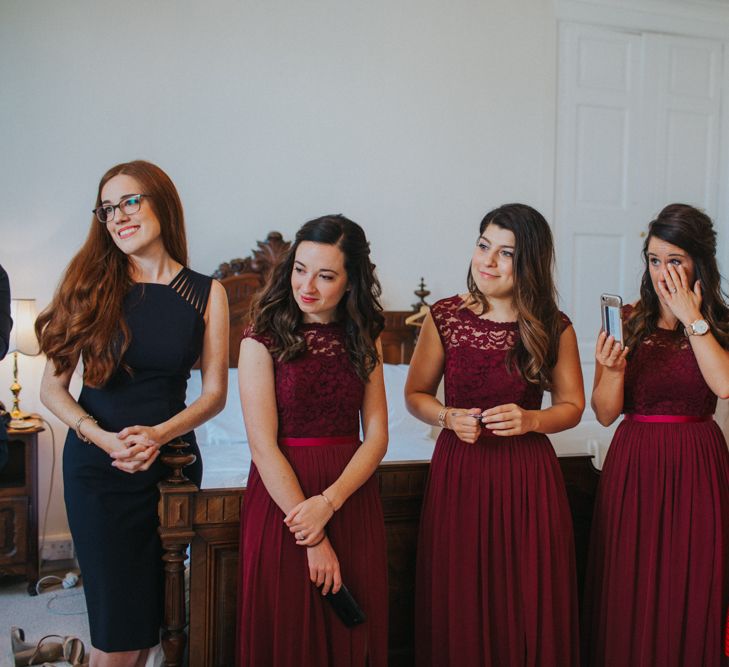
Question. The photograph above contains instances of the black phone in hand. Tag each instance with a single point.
(346, 607)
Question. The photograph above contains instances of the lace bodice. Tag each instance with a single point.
(319, 392)
(476, 375)
(663, 378)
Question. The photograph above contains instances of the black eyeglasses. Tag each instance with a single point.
(128, 204)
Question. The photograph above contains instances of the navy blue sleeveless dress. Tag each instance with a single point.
(113, 514)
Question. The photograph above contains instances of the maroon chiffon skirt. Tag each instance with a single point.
(658, 577)
(283, 619)
(496, 581)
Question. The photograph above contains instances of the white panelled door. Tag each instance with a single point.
(638, 128)
(682, 84)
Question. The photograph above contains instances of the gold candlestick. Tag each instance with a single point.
(16, 412)
(23, 340)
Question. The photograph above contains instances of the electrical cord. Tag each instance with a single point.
(71, 578)
(68, 581)
(50, 494)
(56, 596)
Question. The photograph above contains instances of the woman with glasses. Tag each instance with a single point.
(311, 372)
(496, 565)
(138, 318)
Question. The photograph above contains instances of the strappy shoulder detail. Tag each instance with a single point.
(193, 287)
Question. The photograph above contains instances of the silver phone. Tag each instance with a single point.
(611, 307)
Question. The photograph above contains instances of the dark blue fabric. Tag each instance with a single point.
(6, 324)
(113, 514)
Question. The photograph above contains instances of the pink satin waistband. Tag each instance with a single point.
(319, 442)
(668, 419)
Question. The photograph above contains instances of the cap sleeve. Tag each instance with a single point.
(264, 339)
(442, 313)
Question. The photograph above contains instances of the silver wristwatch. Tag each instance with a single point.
(697, 328)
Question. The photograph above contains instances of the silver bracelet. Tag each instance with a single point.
(442, 416)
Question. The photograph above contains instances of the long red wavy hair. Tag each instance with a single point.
(85, 317)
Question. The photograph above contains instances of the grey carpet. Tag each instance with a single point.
(54, 611)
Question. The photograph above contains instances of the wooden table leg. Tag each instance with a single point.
(175, 530)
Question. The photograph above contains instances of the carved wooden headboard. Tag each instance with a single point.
(243, 277)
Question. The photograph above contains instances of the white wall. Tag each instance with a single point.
(413, 117)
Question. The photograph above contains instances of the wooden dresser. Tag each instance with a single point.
(19, 506)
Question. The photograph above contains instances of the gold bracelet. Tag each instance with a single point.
(77, 427)
(442, 417)
(331, 504)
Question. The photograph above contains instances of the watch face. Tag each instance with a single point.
(700, 327)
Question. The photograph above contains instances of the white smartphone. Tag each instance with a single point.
(611, 307)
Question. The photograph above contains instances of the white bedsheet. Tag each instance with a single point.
(227, 458)
(224, 444)
(226, 465)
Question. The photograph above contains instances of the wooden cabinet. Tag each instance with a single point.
(19, 506)
(210, 521)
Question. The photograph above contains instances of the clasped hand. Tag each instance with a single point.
(502, 420)
(137, 448)
(308, 519)
(324, 568)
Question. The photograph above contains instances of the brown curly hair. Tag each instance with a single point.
(535, 295)
(274, 311)
(691, 230)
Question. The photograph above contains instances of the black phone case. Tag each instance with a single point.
(346, 607)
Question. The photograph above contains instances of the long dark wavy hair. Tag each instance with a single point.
(85, 316)
(691, 230)
(535, 295)
(274, 311)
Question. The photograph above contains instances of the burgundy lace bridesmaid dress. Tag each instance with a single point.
(658, 577)
(283, 619)
(496, 566)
